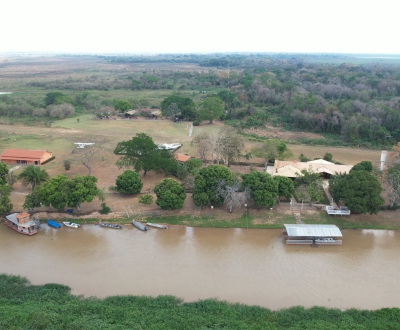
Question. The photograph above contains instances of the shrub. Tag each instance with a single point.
(146, 199)
(67, 164)
(129, 183)
(104, 209)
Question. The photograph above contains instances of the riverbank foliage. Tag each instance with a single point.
(51, 306)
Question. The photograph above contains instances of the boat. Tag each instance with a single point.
(53, 224)
(110, 225)
(139, 226)
(156, 225)
(71, 224)
(21, 223)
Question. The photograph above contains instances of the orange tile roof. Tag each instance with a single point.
(21, 153)
(182, 158)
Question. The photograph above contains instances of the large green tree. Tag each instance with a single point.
(3, 173)
(264, 189)
(142, 153)
(184, 104)
(122, 105)
(170, 195)
(285, 187)
(129, 182)
(5, 203)
(211, 108)
(61, 192)
(33, 176)
(360, 192)
(206, 183)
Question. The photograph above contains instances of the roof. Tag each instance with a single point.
(291, 168)
(313, 230)
(131, 112)
(22, 153)
(182, 158)
(13, 218)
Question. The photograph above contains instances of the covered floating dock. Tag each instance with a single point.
(312, 234)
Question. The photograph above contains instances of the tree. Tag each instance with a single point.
(328, 157)
(392, 177)
(172, 110)
(170, 195)
(5, 202)
(3, 173)
(211, 108)
(60, 192)
(205, 184)
(185, 104)
(231, 144)
(363, 166)
(285, 187)
(232, 194)
(33, 175)
(32, 200)
(264, 189)
(310, 185)
(143, 154)
(87, 154)
(122, 105)
(360, 191)
(129, 183)
(273, 149)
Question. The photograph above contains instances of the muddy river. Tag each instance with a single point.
(238, 265)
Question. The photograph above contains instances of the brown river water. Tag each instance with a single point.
(251, 266)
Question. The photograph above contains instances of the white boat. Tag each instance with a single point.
(156, 225)
(71, 224)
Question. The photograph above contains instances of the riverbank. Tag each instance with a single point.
(52, 306)
(220, 218)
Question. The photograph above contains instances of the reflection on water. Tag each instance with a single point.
(239, 265)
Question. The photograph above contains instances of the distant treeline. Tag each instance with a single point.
(51, 306)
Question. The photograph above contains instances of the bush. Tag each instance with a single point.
(104, 209)
(197, 122)
(170, 195)
(129, 183)
(145, 199)
(67, 164)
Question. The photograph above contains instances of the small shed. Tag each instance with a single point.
(25, 157)
(181, 158)
(131, 113)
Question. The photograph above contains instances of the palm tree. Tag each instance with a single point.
(33, 176)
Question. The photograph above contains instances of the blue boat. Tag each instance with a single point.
(53, 224)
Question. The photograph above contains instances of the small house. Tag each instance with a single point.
(25, 157)
(181, 158)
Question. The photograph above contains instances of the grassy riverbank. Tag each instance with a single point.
(267, 220)
(51, 306)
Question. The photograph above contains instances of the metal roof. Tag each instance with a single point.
(313, 230)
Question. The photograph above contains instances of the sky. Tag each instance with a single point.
(207, 26)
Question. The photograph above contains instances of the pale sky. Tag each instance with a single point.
(171, 26)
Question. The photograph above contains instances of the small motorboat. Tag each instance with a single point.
(71, 224)
(156, 225)
(110, 225)
(139, 226)
(53, 224)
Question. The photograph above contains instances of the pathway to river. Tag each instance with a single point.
(238, 265)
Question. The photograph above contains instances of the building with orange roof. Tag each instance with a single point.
(181, 158)
(25, 157)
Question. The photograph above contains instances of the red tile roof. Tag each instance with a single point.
(21, 153)
(182, 158)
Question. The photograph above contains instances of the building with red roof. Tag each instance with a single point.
(25, 157)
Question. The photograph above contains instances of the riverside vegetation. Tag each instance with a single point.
(51, 306)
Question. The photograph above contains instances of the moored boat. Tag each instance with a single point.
(110, 225)
(53, 223)
(156, 225)
(71, 224)
(139, 226)
(21, 223)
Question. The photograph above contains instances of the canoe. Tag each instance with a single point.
(71, 224)
(110, 225)
(139, 226)
(156, 225)
(53, 224)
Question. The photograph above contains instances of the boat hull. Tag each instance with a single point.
(110, 225)
(13, 226)
(71, 224)
(53, 224)
(156, 225)
(139, 226)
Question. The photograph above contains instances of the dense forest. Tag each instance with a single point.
(348, 99)
(51, 306)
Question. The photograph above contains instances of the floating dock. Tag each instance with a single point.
(312, 234)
